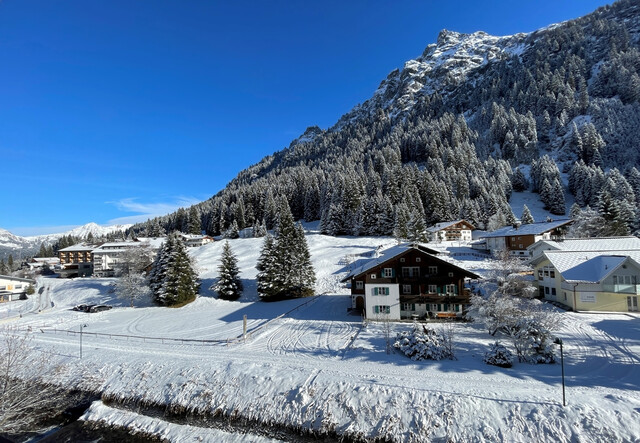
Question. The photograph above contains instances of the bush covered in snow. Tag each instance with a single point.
(499, 355)
(423, 343)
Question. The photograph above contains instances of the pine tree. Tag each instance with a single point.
(173, 279)
(285, 264)
(229, 285)
(194, 221)
(526, 217)
(266, 267)
(4, 269)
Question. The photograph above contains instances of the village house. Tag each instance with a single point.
(595, 274)
(13, 288)
(517, 238)
(194, 241)
(107, 256)
(38, 263)
(458, 230)
(408, 281)
(76, 260)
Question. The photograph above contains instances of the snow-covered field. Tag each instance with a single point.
(320, 367)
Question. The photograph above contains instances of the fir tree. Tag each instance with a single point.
(173, 279)
(229, 285)
(285, 264)
(266, 267)
(526, 217)
(4, 269)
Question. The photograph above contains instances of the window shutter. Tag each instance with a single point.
(375, 291)
(393, 272)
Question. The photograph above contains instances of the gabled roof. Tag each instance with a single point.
(529, 229)
(444, 225)
(589, 266)
(397, 251)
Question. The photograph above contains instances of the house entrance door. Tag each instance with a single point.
(632, 303)
(360, 302)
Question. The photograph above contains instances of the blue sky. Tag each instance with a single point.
(115, 111)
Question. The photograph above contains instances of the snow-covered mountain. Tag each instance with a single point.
(441, 137)
(15, 244)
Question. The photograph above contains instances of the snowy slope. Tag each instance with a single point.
(319, 367)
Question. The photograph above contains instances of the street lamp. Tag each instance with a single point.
(558, 341)
(81, 327)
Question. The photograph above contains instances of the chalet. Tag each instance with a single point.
(458, 230)
(76, 260)
(409, 281)
(194, 241)
(13, 288)
(516, 239)
(596, 274)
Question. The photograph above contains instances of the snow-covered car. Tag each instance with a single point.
(80, 308)
(99, 308)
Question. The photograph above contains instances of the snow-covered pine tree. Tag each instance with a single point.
(526, 218)
(287, 271)
(173, 278)
(266, 267)
(193, 226)
(229, 285)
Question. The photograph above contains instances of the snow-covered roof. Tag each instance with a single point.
(25, 280)
(79, 247)
(627, 243)
(444, 225)
(529, 229)
(589, 266)
(384, 256)
(391, 253)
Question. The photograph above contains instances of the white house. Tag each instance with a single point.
(12, 288)
(108, 255)
(457, 230)
(194, 241)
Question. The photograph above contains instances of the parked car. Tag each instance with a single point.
(81, 308)
(99, 308)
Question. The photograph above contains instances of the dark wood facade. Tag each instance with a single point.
(422, 279)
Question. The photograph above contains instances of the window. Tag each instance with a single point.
(402, 260)
(520, 246)
(18, 286)
(3, 288)
(553, 291)
(408, 307)
(360, 284)
(418, 259)
(552, 274)
(410, 272)
(539, 274)
(433, 289)
(433, 270)
(450, 274)
(380, 291)
(387, 272)
(373, 276)
(546, 290)
(565, 296)
(451, 289)
(406, 289)
(382, 309)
